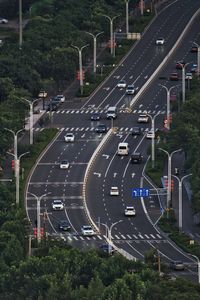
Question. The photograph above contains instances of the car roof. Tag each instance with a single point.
(130, 207)
(87, 227)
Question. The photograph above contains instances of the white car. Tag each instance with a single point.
(143, 118)
(69, 137)
(87, 230)
(130, 90)
(121, 84)
(130, 211)
(114, 191)
(3, 21)
(64, 164)
(61, 98)
(57, 205)
(160, 41)
(188, 76)
(150, 135)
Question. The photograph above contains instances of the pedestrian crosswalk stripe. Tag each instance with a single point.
(135, 236)
(140, 236)
(69, 238)
(123, 236)
(99, 237)
(158, 235)
(81, 238)
(152, 236)
(75, 237)
(129, 236)
(117, 237)
(147, 236)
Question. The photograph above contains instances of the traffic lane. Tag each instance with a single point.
(61, 189)
(179, 26)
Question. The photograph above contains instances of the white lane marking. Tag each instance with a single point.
(135, 249)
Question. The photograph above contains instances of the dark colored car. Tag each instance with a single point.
(101, 128)
(52, 106)
(194, 49)
(136, 158)
(136, 131)
(177, 265)
(180, 64)
(95, 116)
(107, 249)
(64, 225)
(174, 76)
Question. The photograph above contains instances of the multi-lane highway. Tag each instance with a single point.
(134, 235)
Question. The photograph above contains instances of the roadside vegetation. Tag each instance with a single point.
(46, 61)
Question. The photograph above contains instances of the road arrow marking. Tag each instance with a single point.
(98, 174)
(115, 174)
(106, 156)
(132, 175)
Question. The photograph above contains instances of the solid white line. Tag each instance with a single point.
(135, 249)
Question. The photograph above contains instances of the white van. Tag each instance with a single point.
(123, 149)
(111, 112)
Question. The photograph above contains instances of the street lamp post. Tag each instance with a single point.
(31, 103)
(127, 15)
(168, 102)
(95, 49)
(180, 200)
(153, 139)
(183, 79)
(38, 214)
(111, 32)
(169, 176)
(80, 65)
(108, 232)
(20, 24)
(15, 145)
(198, 57)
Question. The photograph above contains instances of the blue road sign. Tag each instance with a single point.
(140, 192)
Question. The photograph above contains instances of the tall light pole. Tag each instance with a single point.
(80, 64)
(111, 32)
(109, 231)
(38, 214)
(169, 176)
(127, 17)
(183, 79)
(95, 49)
(142, 7)
(31, 103)
(20, 24)
(168, 90)
(180, 200)
(198, 58)
(153, 139)
(15, 146)
(198, 265)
